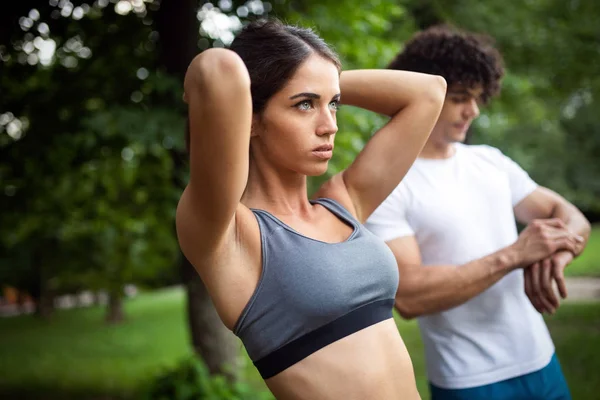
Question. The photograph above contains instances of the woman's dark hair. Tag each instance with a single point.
(462, 58)
(272, 53)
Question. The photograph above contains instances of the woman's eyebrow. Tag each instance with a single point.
(306, 94)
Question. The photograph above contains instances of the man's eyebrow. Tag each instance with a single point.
(460, 91)
(466, 92)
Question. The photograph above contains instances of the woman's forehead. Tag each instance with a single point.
(315, 75)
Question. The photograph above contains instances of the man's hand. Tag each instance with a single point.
(541, 239)
(538, 281)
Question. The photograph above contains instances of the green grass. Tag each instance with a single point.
(575, 329)
(576, 332)
(588, 263)
(77, 356)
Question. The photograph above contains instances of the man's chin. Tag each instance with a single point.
(458, 138)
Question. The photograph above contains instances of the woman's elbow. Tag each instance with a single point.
(215, 66)
(436, 92)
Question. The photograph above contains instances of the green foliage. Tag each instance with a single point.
(364, 33)
(191, 380)
(582, 144)
(93, 179)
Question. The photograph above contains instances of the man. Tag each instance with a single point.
(465, 272)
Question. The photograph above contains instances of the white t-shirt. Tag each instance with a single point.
(460, 209)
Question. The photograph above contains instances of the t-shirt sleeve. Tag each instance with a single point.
(389, 221)
(521, 184)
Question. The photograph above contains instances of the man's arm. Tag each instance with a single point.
(544, 203)
(431, 289)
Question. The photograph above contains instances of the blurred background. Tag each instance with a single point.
(96, 301)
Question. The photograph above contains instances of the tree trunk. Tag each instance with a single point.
(178, 31)
(45, 305)
(216, 345)
(114, 310)
(39, 289)
(22, 301)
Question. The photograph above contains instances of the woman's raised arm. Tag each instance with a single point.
(217, 90)
(413, 101)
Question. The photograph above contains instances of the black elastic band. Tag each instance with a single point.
(298, 349)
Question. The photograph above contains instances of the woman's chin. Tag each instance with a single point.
(317, 170)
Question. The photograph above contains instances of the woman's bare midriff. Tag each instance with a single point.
(371, 364)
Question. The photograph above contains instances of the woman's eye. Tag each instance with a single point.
(304, 105)
(334, 105)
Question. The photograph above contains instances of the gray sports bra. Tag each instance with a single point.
(312, 293)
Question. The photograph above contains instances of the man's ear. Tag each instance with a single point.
(256, 126)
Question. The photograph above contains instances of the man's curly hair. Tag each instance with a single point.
(462, 58)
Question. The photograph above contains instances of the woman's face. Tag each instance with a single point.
(297, 128)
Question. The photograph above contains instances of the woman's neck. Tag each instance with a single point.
(274, 190)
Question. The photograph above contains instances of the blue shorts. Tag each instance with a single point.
(546, 384)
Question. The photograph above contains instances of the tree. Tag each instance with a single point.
(115, 170)
(75, 157)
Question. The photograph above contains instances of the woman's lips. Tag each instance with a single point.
(324, 152)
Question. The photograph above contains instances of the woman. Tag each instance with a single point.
(301, 282)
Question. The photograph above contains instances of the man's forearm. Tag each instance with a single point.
(431, 289)
(575, 221)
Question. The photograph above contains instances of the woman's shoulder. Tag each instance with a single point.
(335, 190)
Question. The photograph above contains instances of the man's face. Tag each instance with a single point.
(461, 107)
